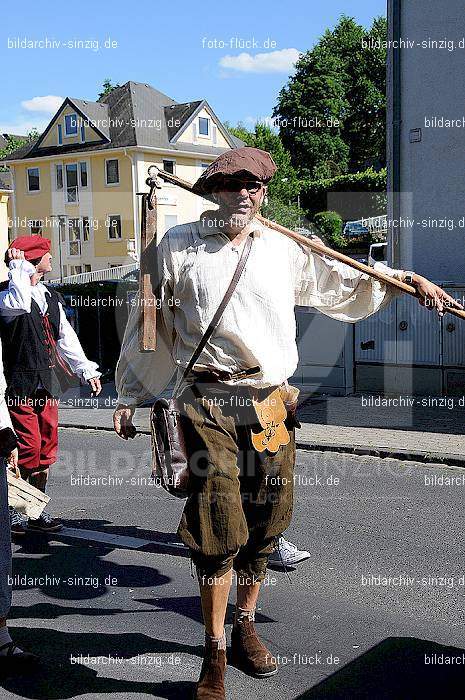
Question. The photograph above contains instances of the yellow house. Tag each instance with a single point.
(5, 194)
(78, 184)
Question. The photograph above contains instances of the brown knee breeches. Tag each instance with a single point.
(240, 500)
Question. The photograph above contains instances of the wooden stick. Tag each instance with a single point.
(318, 248)
(148, 244)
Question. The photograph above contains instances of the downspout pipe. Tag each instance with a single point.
(394, 122)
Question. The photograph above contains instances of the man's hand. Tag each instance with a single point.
(122, 422)
(433, 297)
(95, 385)
(15, 254)
(12, 461)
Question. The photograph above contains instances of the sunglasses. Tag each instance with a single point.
(233, 184)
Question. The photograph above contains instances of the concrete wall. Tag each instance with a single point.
(431, 157)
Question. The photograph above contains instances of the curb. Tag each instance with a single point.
(450, 460)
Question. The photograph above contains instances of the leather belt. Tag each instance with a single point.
(214, 375)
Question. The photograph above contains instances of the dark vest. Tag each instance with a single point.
(27, 356)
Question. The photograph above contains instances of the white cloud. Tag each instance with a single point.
(271, 62)
(46, 103)
(22, 127)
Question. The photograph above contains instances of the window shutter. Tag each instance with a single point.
(194, 131)
(214, 130)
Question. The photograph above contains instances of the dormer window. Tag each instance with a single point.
(204, 126)
(71, 125)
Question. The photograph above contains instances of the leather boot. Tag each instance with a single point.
(249, 653)
(210, 685)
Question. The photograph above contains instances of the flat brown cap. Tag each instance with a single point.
(247, 161)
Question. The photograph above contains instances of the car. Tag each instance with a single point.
(378, 253)
(355, 228)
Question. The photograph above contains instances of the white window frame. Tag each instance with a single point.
(79, 174)
(113, 216)
(171, 160)
(66, 135)
(78, 240)
(204, 136)
(29, 191)
(33, 224)
(77, 182)
(84, 240)
(111, 184)
(57, 167)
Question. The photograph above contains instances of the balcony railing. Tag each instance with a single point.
(108, 273)
(72, 195)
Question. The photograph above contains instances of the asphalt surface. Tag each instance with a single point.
(114, 611)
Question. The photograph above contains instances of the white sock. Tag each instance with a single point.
(221, 641)
(242, 615)
(6, 639)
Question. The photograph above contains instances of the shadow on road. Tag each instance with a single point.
(395, 668)
(84, 575)
(58, 678)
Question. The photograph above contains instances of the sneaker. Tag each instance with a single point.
(18, 523)
(45, 523)
(287, 554)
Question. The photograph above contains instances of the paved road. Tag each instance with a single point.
(115, 609)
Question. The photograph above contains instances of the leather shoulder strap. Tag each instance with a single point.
(220, 310)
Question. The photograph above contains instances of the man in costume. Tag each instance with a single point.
(41, 355)
(9, 651)
(235, 512)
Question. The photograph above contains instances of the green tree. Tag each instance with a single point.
(107, 87)
(332, 111)
(13, 143)
(284, 187)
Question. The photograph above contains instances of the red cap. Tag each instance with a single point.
(34, 247)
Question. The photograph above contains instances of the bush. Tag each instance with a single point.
(314, 193)
(288, 215)
(329, 223)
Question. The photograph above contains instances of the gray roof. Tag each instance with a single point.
(138, 115)
(4, 138)
(5, 181)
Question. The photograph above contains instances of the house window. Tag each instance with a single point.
(35, 226)
(60, 134)
(76, 269)
(33, 180)
(74, 237)
(85, 228)
(114, 227)
(83, 174)
(112, 171)
(71, 183)
(62, 228)
(71, 125)
(83, 133)
(170, 221)
(87, 268)
(169, 166)
(204, 126)
(59, 176)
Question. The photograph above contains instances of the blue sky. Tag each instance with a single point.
(168, 45)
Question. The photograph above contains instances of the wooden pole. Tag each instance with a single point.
(148, 261)
(321, 249)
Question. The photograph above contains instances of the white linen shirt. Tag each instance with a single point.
(16, 300)
(195, 266)
(5, 420)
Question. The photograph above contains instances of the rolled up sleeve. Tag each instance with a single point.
(338, 290)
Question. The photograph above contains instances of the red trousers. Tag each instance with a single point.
(35, 422)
